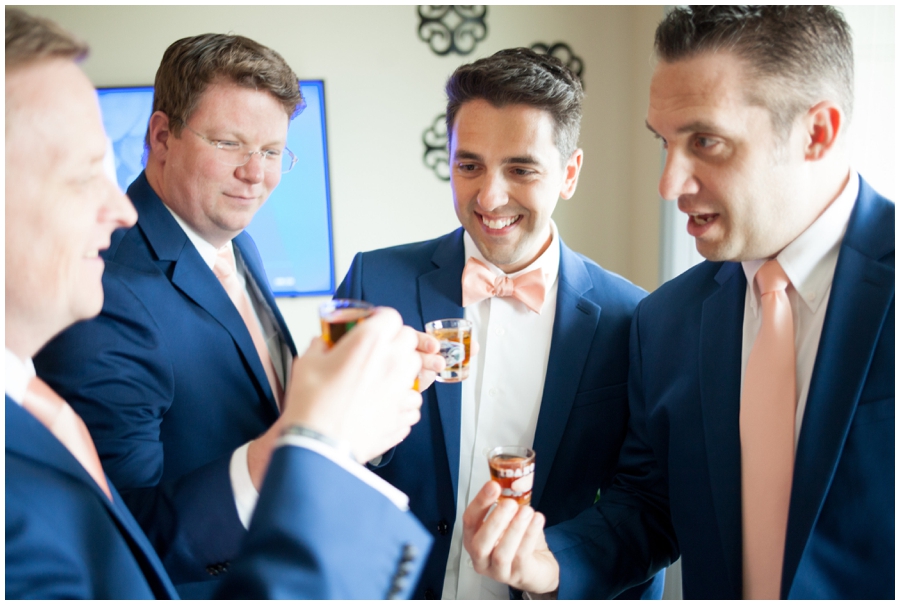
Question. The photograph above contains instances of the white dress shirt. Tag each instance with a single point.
(500, 400)
(19, 373)
(809, 262)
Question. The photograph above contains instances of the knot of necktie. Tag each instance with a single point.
(224, 267)
(479, 283)
(771, 277)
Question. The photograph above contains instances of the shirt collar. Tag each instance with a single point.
(18, 374)
(548, 261)
(207, 251)
(809, 261)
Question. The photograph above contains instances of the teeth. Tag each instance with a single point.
(699, 219)
(499, 223)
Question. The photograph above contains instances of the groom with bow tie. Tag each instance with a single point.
(552, 325)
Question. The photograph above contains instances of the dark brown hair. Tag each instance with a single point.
(522, 76)
(799, 55)
(191, 64)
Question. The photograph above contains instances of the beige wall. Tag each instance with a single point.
(384, 87)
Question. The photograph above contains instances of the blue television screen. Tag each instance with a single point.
(293, 228)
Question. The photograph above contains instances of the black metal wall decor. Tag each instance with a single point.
(564, 53)
(436, 156)
(451, 28)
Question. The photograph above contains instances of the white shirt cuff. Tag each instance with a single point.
(340, 458)
(245, 495)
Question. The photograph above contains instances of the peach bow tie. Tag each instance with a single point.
(479, 283)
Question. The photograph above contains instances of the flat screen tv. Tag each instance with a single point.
(293, 228)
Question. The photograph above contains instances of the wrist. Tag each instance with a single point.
(302, 430)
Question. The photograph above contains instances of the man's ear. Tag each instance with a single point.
(159, 135)
(572, 170)
(823, 123)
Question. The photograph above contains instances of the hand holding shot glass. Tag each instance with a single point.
(512, 467)
(340, 315)
(455, 337)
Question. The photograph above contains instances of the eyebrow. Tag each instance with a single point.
(696, 126)
(468, 155)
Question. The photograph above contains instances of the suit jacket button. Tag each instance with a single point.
(429, 594)
(443, 527)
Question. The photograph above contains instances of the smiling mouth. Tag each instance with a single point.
(500, 222)
(702, 219)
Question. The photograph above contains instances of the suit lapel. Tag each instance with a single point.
(573, 325)
(440, 297)
(721, 335)
(27, 437)
(861, 295)
(192, 276)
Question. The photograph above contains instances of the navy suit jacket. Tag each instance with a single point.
(169, 383)
(678, 487)
(584, 410)
(318, 533)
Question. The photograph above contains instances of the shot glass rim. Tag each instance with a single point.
(530, 452)
(467, 323)
(333, 305)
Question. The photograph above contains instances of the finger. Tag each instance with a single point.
(478, 509)
(484, 541)
(533, 539)
(508, 545)
(426, 379)
(474, 347)
(427, 343)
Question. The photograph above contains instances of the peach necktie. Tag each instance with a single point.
(227, 274)
(61, 420)
(768, 409)
(479, 283)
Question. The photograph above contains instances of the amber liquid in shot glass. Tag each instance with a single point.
(341, 315)
(455, 338)
(512, 467)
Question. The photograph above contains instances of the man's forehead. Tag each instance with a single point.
(699, 93)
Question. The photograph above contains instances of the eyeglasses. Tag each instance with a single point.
(232, 153)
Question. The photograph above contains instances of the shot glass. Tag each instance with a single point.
(512, 467)
(341, 315)
(455, 337)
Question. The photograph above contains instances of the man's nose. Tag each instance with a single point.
(493, 193)
(677, 178)
(254, 171)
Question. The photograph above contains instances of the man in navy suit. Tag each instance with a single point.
(551, 376)
(180, 396)
(324, 528)
(752, 105)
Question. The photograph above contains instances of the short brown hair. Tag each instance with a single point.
(522, 76)
(30, 38)
(800, 54)
(191, 64)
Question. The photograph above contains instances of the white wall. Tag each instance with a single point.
(384, 87)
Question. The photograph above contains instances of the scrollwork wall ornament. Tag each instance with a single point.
(436, 156)
(451, 28)
(564, 53)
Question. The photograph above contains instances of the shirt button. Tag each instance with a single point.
(500, 331)
(492, 392)
(469, 563)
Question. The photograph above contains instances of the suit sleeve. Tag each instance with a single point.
(321, 533)
(115, 371)
(627, 537)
